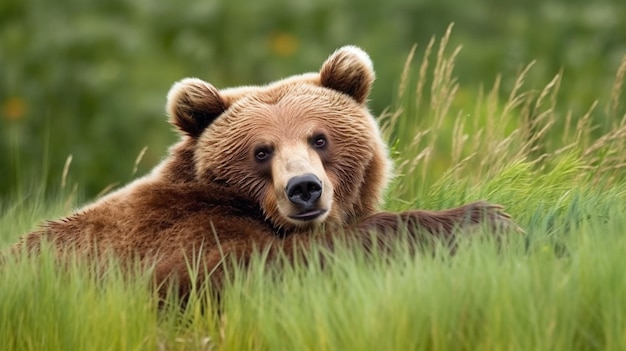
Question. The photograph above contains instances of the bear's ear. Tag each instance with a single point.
(349, 70)
(193, 104)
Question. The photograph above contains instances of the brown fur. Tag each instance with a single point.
(221, 191)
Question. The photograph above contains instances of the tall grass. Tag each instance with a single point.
(559, 287)
(47, 307)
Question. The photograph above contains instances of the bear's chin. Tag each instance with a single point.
(309, 216)
(308, 219)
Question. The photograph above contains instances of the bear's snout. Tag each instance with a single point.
(304, 190)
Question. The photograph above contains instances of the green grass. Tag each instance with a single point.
(559, 287)
(46, 307)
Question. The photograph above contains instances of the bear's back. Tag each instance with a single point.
(154, 218)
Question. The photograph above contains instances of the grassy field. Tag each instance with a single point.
(559, 287)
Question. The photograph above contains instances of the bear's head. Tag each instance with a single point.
(305, 148)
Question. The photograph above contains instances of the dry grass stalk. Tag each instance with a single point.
(138, 159)
(616, 92)
(406, 73)
(66, 170)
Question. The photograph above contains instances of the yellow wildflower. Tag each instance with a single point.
(283, 44)
(14, 108)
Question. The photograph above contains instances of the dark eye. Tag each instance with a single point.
(262, 154)
(319, 141)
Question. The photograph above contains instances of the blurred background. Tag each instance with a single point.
(89, 78)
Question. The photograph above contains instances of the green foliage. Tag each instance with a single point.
(89, 78)
(558, 287)
(47, 307)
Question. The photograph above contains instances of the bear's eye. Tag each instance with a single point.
(319, 141)
(262, 154)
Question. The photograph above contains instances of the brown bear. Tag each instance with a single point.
(279, 168)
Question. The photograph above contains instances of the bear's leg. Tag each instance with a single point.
(422, 225)
(382, 230)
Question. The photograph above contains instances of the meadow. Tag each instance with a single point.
(559, 286)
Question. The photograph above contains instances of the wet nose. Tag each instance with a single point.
(304, 190)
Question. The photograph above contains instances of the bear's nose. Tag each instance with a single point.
(304, 190)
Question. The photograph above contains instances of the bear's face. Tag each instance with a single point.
(305, 148)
